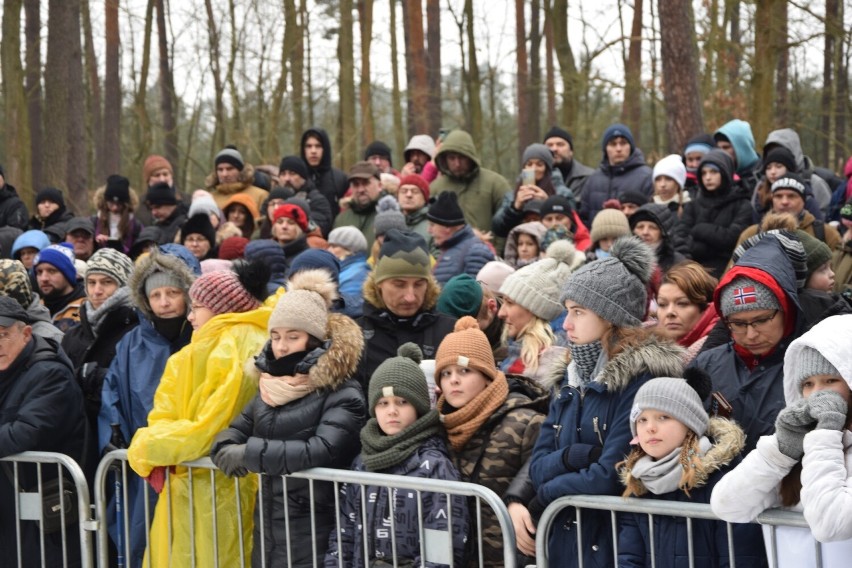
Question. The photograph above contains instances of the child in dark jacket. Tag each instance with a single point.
(681, 454)
(403, 437)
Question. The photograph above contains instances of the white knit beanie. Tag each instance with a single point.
(671, 166)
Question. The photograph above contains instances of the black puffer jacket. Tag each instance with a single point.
(41, 409)
(330, 181)
(668, 253)
(13, 212)
(319, 430)
(321, 210)
(91, 346)
(712, 222)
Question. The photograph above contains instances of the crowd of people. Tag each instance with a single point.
(679, 331)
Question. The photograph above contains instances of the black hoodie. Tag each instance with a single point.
(330, 181)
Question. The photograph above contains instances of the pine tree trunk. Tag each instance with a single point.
(631, 113)
(112, 93)
(94, 114)
(680, 81)
(348, 134)
(534, 125)
(763, 76)
(782, 112)
(168, 100)
(237, 132)
(276, 105)
(365, 24)
(550, 72)
(297, 72)
(418, 88)
(16, 123)
(522, 82)
(144, 136)
(396, 96)
(32, 11)
(474, 82)
(567, 67)
(433, 41)
(218, 139)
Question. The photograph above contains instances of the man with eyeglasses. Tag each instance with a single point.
(759, 305)
(41, 409)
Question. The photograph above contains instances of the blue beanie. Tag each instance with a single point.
(614, 131)
(60, 256)
(316, 258)
(183, 253)
(33, 239)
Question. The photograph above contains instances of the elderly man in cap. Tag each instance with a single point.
(61, 293)
(80, 232)
(232, 176)
(106, 315)
(41, 409)
(167, 212)
(366, 187)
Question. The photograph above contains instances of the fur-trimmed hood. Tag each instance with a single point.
(728, 441)
(372, 296)
(654, 355)
(100, 200)
(150, 264)
(244, 181)
(338, 362)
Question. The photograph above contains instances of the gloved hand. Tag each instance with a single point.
(791, 426)
(828, 409)
(577, 457)
(157, 478)
(230, 460)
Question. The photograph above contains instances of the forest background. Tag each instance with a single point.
(91, 87)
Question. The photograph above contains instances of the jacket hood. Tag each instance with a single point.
(372, 296)
(526, 393)
(100, 200)
(658, 214)
(47, 349)
(831, 338)
(728, 441)
(635, 160)
(340, 360)
(788, 138)
(723, 161)
(246, 201)
(460, 142)
(155, 262)
(654, 355)
(738, 132)
(325, 161)
(244, 181)
(535, 229)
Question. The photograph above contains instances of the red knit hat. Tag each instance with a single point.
(416, 179)
(293, 212)
(222, 293)
(233, 248)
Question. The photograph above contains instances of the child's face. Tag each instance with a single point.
(606, 244)
(286, 341)
(775, 171)
(822, 279)
(394, 414)
(460, 385)
(527, 247)
(552, 219)
(693, 159)
(659, 433)
(582, 325)
(45, 208)
(834, 383)
(711, 178)
(665, 187)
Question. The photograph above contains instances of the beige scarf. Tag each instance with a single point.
(278, 391)
(463, 423)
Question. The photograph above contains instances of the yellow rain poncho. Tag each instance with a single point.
(204, 387)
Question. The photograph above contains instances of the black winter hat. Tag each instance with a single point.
(294, 164)
(634, 197)
(656, 213)
(161, 194)
(556, 204)
(556, 132)
(378, 148)
(445, 210)
(198, 224)
(780, 155)
(50, 194)
(279, 192)
(117, 189)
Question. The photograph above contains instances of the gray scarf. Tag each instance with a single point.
(586, 357)
(121, 297)
(663, 475)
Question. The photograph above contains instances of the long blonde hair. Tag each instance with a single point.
(694, 473)
(535, 337)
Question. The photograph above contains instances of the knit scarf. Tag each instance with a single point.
(381, 452)
(462, 423)
(663, 475)
(586, 357)
(278, 391)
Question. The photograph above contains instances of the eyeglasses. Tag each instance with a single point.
(759, 325)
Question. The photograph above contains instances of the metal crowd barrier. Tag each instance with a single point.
(115, 463)
(772, 518)
(29, 506)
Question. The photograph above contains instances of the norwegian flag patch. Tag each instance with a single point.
(745, 295)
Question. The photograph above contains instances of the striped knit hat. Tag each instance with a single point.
(222, 293)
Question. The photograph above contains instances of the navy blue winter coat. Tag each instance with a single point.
(609, 182)
(429, 461)
(463, 253)
(579, 422)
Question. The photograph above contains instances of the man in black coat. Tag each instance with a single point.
(13, 212)
(41, 409)
(330, 181)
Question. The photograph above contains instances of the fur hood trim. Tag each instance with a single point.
(150, 264)
(654, 355)
(340, 362)
(372, 296)
(728, 441)
(245, 180)
(100, 201)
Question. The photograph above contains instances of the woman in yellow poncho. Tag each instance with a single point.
(204, 386)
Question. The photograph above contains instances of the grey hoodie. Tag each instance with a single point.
(789, 138)
(41, 322)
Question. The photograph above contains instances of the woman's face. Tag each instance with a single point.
(538, 165)
(649, 232)
(676, 315)
(757, 331)
(515, 317)
(527, 247)
(199, 315)
(582, 325)
(116, 208)
(460, 385)
(197, 244)
(237, 214)
(286, 341)
(45, 208)
(286, 230)
(775, 171)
